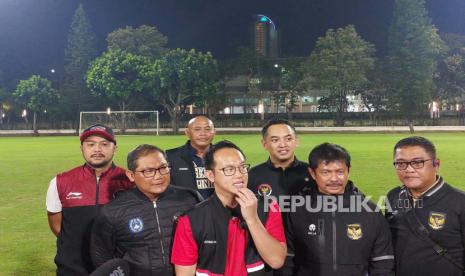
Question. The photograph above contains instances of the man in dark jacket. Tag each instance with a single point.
(187, 164)
(137, 226)
(427, 215)
(74, 197)
(337, 231)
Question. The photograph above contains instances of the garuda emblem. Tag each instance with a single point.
(354, 231)
(436, 220)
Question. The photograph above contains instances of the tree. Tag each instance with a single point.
(37, 94)
(340, 63)
(117, 75)
(413, 47)
(182, 78)
(144, 41)
(80, 51)
(449, 77)
(262, 77)
(374, 93)
(292, 84)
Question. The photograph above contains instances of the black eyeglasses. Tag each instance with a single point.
(228, 171)
(152, 172)
(416, 164)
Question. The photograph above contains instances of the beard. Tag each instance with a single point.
(98, 164)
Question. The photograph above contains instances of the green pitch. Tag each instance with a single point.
(27, 164)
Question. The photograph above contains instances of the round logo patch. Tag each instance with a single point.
(264, 190)
(136, 225)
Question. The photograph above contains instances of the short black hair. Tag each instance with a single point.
(273, 122)
(140, 151)
(327, 153)
(209, 160)
(419, 141)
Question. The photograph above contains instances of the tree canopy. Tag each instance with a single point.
(413, 49)
(340, 63)
(79, 53)
(182, 78)
(144, 41)
(117, 75)
(36, 94)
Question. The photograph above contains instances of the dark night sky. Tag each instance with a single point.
(33, 32)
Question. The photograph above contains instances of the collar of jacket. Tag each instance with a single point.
(88, 169)
(435, 193)
(294, 164)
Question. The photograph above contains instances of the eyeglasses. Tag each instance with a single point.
(152, 172)
(416, 164)
(228, 171)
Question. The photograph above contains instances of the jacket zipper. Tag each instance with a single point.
(97, 181)
(334, 242)
(159, 232)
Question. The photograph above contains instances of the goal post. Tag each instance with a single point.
(122, 122)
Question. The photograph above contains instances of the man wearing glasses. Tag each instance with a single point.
(426, 215)
(229, 233)
(137, 226)
(74, 197)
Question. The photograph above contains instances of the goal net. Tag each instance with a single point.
(129, 122)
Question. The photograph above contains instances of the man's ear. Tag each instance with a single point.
(263, 143)
(436, 163)
(312, 173)
(210, 175)
(130, 175)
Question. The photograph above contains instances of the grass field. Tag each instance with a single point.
(27, 164)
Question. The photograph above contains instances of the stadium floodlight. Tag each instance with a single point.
(121, 121)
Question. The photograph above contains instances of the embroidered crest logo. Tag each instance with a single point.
(312, 229)
(74, 195)
(136, 225)
(354, 231)
(436, 220)
(264, 190)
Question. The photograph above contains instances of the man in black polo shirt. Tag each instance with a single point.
(426, 215)
(282, 173)
(186, 161)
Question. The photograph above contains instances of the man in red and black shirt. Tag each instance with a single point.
(74, 197)
(230, 233)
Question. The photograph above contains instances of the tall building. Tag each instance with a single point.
(265, 36)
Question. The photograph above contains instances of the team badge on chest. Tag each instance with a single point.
(264, 190)
(436, 220)
(354, 231)
(136, 225)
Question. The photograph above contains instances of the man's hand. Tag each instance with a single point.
(248, 202)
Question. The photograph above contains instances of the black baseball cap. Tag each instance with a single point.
(99, 130)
